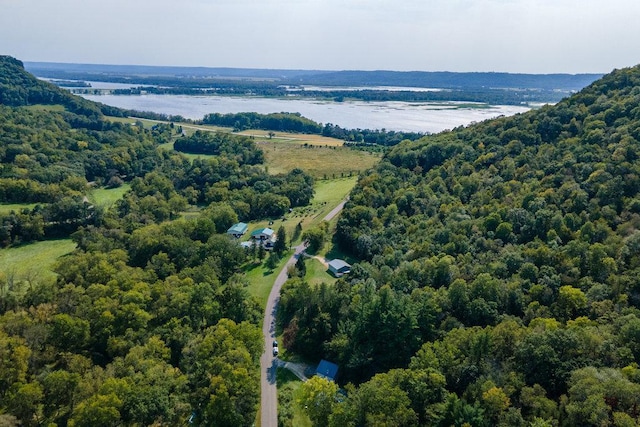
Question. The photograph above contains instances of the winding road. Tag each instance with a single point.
(269, 363)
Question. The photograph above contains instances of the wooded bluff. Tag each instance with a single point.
(498, 274)
(496, 282)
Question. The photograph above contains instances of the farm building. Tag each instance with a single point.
(339, 267)
(238, 230)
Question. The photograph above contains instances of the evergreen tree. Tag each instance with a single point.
(281, 243)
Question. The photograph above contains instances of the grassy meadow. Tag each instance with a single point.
(319, 161)
(6, 208)
(34, 260)
(317, 155)
(106, 197)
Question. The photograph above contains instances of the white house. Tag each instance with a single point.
(265, 237)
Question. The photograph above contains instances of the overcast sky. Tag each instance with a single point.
(528, 36)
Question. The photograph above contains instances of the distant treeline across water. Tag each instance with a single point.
(492, 88)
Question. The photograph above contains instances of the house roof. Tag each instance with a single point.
(240, 227)
(327, 370)
(265, 231)
(338, 264)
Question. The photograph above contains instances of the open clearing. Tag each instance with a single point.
(319, 161)
(328, 194)
(34, 259)
(6, 208)
(317, 155)
(106, 197)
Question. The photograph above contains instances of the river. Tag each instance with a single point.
(390, 115)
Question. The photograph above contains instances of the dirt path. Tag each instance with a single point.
(321, 260)
(300, 370)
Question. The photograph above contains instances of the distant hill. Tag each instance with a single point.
(444, 80)
(20, 88)
(451, 80)
(99, 71)
(52, 141)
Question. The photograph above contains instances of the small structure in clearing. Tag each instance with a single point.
(327, 370)
(339, 267)
(238, 230)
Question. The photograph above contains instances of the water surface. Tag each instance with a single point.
(390, 115)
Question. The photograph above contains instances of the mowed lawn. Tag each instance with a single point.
(34, 259)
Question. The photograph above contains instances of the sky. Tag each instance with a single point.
(522, 36)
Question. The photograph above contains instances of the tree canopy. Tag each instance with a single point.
(499, 260)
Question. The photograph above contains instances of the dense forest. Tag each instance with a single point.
(496, 282)
(498, 276)
(149, 321)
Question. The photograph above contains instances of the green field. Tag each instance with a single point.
(317, 273)
(6, 208)
(319, 156)
(261, 279)
(35, 259)
(106, 197)
(321, 162)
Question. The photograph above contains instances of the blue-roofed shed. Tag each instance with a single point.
(339, 267)
(237, 230)
(327, 370)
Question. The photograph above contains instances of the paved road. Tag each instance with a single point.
(268, 363)
(335, 210)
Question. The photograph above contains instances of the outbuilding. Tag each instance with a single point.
(238, 230)
(327, 370)
(339, 267)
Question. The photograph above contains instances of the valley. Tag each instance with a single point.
(492, 266)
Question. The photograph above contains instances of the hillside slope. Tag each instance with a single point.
(149, 321)
(501, 261)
